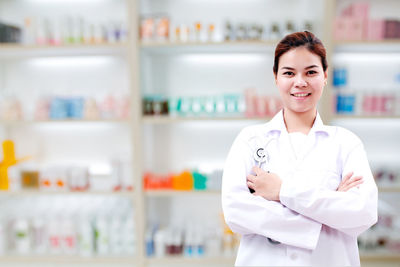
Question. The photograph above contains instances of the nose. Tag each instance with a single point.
(300, 82)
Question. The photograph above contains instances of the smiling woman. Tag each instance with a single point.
(306, 202)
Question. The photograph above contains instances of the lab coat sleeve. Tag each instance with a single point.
(351, 212)
(248, 214)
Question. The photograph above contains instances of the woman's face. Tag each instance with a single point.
(300, 79)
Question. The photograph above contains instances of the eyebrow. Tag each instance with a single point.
(309, 67)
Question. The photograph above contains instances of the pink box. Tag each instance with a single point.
(360, 10)
(355, 29)
(375, 29)
(340, 28)
(349, 28)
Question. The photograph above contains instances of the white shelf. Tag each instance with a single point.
(179, 260)
(63, 121)
(391, 45)
(169, 119)
(391, 189)
(171, 193)
(218, 47)
(33, 192)
(376, 256)
(19, 50)
(68, 259)
(364, 117)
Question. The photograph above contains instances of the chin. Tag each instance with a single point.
(301, 109)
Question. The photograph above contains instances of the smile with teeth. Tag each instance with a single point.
(301, 95)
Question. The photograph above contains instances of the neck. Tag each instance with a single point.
(299, 121)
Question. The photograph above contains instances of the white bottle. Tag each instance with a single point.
(159, 243)
(21, 236)
(39, 236)
(102, 237)
(116, 235)
(68, 236)
(129, 242)
(85, 237)
(54, 236)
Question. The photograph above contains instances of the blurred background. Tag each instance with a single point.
(116, 117)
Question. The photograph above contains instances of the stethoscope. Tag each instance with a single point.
(261, 155)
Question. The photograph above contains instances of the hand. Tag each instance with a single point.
(265, 184)
(349, 182)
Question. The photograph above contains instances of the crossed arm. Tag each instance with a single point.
(294, 213)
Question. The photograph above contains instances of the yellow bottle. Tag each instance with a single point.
(8, 160)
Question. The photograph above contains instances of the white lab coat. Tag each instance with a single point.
(316, 225)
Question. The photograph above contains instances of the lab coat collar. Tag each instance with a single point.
(277, 123)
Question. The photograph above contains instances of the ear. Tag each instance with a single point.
(275, 76)
(326, 76)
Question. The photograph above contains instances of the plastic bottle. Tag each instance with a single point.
(159, 243)
(116, 236)
(38, 233)
(101, 235)
(149, 243)
(21, 236)
(85, 236)
(128, 232)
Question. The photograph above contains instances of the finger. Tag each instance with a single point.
(257, 170)
(347, 176)
(250, 178)
(350, 186)
(356, 178)
(250, 185)
(355, 183)
(353, 179)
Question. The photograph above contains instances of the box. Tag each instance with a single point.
(375, 29)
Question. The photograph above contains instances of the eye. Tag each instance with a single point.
(288, 73)
(311, 72)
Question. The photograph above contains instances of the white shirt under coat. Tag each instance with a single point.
(315, 224)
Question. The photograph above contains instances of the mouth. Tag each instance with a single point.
(301, 95)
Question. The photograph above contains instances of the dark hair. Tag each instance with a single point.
(297, 39)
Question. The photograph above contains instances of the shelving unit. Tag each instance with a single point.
(118, 259)
(172, 193)
(125, 53)
(13, 51)
(188, 261)
(169, 119)
(214, 47)
(31, 192)
(134, 52)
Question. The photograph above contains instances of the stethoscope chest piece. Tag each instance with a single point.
(261, 155)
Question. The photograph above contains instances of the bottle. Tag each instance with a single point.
(275, 33)
(149, 243)
(188, 243)
(68, 235)
(29, 31)
(86, 235)
(116, 234)
(128, 232)
(38, 233)
(21, 236)
(102, 238)
(159, 243)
